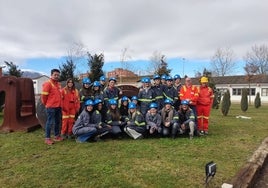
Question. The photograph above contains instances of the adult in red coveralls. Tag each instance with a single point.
(189, 92)
(203, 106)
(51, 98)
(70, 107)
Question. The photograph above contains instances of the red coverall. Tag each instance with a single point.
(189, 93)
(70, 106)
(203, 107)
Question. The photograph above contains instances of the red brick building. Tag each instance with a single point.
(123, 73)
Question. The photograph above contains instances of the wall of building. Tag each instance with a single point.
(37, 84)
(237, 98)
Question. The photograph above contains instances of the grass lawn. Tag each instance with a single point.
(27, 162)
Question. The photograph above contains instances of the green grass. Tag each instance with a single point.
(27, 162)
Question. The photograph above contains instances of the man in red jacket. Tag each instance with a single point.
(203, 106)
(51, 98)
(189, 92)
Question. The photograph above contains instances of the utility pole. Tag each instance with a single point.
(183, 61)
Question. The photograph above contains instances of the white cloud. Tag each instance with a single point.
(191, 29)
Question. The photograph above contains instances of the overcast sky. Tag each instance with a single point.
(191, 29)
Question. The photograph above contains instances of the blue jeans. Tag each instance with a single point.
(84, 137)
(53, 118)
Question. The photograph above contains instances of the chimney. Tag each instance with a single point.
(1, 68)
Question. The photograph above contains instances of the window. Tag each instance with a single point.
(238, 91)
(252, 91)
(264, 92)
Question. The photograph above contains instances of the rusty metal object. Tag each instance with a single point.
(129, 90)
(41, 113)
(19, 112)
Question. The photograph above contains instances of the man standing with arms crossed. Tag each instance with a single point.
(51, 98)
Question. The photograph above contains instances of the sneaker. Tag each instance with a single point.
(206, 132)
(181, 131)
(58, 138)
(201, 133)
(48, 141)
(191, 136)
(64, 136)
(78, 141)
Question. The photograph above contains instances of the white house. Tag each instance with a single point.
(38, 82)
(235, 84)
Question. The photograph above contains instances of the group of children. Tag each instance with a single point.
(162, 108)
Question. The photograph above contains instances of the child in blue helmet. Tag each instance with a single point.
(97, 93)
(186, 120)
(124, 107)
(111, 91)
(153, 120)
(169, 118)
(135, 127)
(87, 123)
(146, 95)
(102, 83)
(114, 120)
(85, 93)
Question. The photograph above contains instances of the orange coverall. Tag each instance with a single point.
(203, 107)
(70, 106)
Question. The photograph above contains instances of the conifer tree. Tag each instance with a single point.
(226, 103)
(67, 70)
(13, 69)
(257, 101)
(244, 100)
(95, 63)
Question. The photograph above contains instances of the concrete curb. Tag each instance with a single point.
(247, 175)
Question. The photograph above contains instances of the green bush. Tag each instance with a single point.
(257, 101)
(226, 103)
(217, 99)
(244, 100)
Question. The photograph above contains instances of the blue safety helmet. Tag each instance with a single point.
(168, 101)
(89, 103)
(169, 78)
(146, 80)
(163, 77)
(96, 84)
(102, 78)
(112, 78)
(131, 105)
(97, 101)
(156, 76)
(184, 102)
(124, 98)
(177, 76)
(112, 102)
(86, 81)
(153, 105)
(134, 98)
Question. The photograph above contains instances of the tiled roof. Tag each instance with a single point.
(234, 79)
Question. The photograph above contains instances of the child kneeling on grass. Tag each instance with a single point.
(135, 127)
(88, 124)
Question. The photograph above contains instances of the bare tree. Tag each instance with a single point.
(76, 52)
(258, 57)
(156, 60)
(124, 57)
(251, 70)
(222, 62)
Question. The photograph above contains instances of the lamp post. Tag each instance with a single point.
(183, 61)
